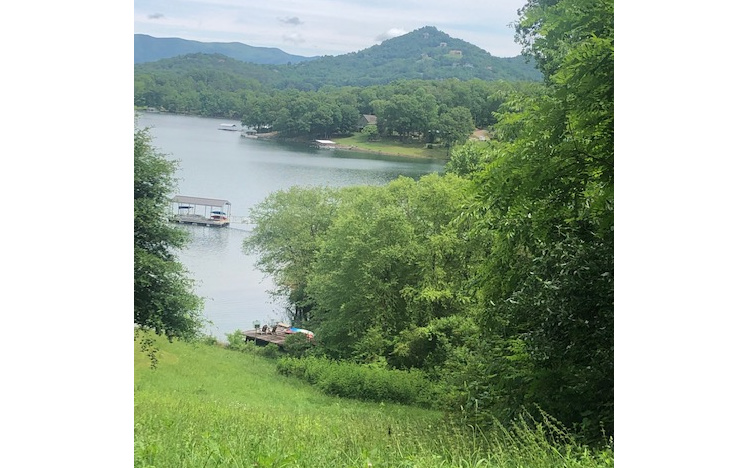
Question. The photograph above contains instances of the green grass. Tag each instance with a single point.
(206, 406)
(392, 146)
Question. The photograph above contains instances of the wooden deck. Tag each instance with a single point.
(263, 338)
(277, 338)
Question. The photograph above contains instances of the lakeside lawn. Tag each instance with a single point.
(392, 146)
(207, 406)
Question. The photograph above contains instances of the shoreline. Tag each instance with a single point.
(274, 136)
(384, 153)
(357, 149)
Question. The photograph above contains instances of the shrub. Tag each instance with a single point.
(363, 382)
(209, 340)
(370, 132)
(237, 342)
(297, 345)
(270, 351)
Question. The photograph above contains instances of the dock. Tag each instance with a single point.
(262, 338)
(201, 211)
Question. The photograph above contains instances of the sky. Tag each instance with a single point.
(328, 27)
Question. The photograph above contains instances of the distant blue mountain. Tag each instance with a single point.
(151, 49)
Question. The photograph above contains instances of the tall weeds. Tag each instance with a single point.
(204, 406)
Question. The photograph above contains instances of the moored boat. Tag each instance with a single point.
(324, 144)
(229, 127)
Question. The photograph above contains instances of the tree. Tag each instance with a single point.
(259, 112)
(325, 117)
(370, 131)
(288, 226)
(405, 114)
(361, 267)
(547, 198)
(391, 260)
(294, 117)
(468, 159)
(349, 119)
(455, 125)
(164, 299)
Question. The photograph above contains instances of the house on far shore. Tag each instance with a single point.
(366, 119)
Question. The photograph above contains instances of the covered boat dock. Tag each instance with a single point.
(201, 211)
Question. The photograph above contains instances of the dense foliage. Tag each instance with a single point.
(164, 300)
(431, 111)
(495, 279)
(368, 267)
(363, 382)
(547, 201)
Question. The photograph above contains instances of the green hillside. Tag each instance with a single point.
(426, 53)
(207, 406)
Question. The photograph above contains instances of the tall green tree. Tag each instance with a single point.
(363, 263)
(259, 111)
(405, 114)
(455, 125)
(164, 296)
(548, 198)
(287, 230)
(392, 261)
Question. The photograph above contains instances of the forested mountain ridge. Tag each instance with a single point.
(151, 49)
(426, 53)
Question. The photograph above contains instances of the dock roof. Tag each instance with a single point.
(200, 201)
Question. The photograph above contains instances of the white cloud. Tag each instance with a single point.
(390, 33)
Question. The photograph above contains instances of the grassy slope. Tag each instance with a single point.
(207, 406)
(391, 147)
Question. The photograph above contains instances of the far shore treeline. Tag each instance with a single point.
(494, 282)
(430, 112)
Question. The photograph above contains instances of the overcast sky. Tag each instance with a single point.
(328, 27)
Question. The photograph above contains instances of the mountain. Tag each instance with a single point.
(151, 49)
(425, 53)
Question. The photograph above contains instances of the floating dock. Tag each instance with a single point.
(201, 211)
(276, 335)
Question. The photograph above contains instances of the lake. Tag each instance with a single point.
(221, 164)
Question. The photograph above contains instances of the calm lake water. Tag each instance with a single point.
(221, 164)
